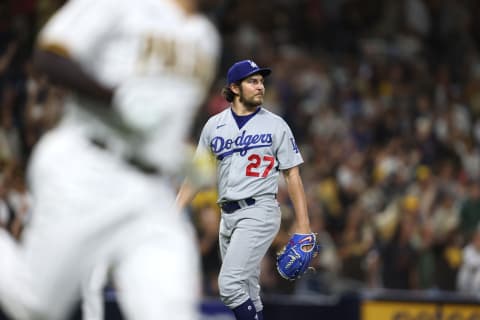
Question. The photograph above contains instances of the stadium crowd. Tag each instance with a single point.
(384, 100)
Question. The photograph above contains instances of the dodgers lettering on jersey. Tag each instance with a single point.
(250, 158)
(224, 147)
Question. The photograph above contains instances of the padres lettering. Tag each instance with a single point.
(224, 147)
(164, 54)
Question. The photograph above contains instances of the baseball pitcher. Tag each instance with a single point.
(251, 146)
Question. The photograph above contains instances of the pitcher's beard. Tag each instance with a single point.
(250, 104)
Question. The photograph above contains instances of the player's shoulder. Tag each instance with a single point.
(267, 113)
(221, 117)
(271, 116)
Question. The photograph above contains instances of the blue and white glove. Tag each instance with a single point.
(295, 258)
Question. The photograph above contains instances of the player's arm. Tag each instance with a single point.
(77, 28)
(200, 174)
(64, 71)
(185, 194)
(297, 196)
(200, 171)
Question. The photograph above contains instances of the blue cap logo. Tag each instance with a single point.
(243, 69)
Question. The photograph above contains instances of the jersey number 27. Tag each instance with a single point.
(255, 162)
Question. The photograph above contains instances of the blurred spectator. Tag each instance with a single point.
(425, 188)
(426, 257)
(470, 210)
(468, 280)
(448, 254)
(399, 257)
(354, 244)
(445, 217)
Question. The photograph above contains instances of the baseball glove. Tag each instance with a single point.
(295, 258)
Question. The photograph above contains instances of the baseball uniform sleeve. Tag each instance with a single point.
(203, 142)
(288, 154)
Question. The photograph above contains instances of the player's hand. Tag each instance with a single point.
(303, 229)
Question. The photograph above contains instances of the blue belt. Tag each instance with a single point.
(232, 206)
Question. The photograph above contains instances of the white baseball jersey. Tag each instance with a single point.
(91, 207)
(249, 158)
(161, 60)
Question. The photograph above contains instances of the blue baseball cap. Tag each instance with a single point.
(243, 69)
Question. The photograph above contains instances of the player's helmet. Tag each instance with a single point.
(243, 69)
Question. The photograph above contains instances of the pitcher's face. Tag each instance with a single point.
(252, 91)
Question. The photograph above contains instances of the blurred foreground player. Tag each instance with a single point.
(138, 71)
